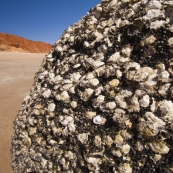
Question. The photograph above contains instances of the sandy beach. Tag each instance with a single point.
(17, 71)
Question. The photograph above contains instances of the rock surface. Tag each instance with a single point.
(13, 43)
(102, 100)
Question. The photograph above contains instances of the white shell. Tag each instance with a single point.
(118, 140)
(90, 114)
(153, 105)
(126, 51)
(153, 13)
(66, 120)
(87, 94)
(36, 112)
(67, 86)
(86, 44)
(108, 141)
(154, 5)
(164, 89)
(170, 42)
(57, 79)
(94, 162)
(148, 40)
(143, 73)
(51, 75)
(100, 98)
(94, 82)
(47, 93)
(115, 57)
(165, 106)
(97, 64)
(83, 137)
(164, 76)
(112, 4)
(90, 76)
(125, 168)
(125, 148)
(75, 77)
(97, 120)
(157, 24)
(51, 107)
(97, 141)
(151, 80)
(73, 104)
(145, 101)
(64, 96)
(114, 83)
(119, 99)
(59, 48)
(111, 105)
(97, 12)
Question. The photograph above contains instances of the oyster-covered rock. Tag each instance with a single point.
(102, 100)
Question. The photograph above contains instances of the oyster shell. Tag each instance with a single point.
(150, 125)
(87, 94)
(125, 168)
(98, 120)
(114, 83)
(47, 93)
(159, 147)
(51, 107)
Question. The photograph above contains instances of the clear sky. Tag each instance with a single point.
(41, 20)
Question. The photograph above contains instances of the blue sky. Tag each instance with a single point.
(41, 20)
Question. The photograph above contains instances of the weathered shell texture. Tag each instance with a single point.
(102, 100)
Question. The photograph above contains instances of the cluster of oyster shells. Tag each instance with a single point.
(102, 100)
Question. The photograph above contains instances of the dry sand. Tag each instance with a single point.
(17, 71)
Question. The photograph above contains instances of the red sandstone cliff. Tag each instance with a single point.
(12, 43)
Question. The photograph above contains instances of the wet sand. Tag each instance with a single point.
(17, 71)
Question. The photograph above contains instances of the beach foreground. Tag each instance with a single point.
(17, 71)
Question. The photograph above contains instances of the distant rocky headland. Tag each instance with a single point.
(13, 43)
